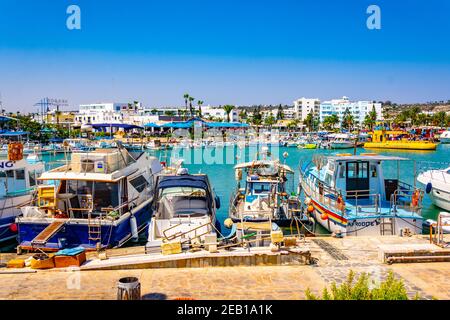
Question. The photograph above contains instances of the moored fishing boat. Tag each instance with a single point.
(342, 141)
(265, 195)
(18, 181)
(100, 199)
(348, 194)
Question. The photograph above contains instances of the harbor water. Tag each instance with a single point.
(218, 164)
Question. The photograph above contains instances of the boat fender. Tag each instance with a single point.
(134, 228)
(310, 209)
(324, 216)
(217, 200)
(428, 187)
(228, 223)
(13, 227)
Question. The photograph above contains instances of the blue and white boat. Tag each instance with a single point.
(18, 180)
(100, 199)
(349, 195)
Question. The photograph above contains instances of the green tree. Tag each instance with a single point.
(440, 119)
(191, 110)
(169, 113)
(309, 121)
(243, 114)
(270, 120)
(186, 99)
(200, 103)
(154, 111)
(256, 118)
(371, 118)
(330, 122)
(347, 120)
(228, 108)
(280, 113)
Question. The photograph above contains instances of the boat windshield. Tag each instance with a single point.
(182, 202)
(183, 191)
(259, 188)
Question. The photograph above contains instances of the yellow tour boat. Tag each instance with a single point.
(381, 140)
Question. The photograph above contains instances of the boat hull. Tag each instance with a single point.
(75, 232)
(363, 226)
(341, 145)
(9, 213)
(410, 145)
(440, 198)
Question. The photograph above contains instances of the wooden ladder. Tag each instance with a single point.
(387, 226)
(94, 227)
(43, 237)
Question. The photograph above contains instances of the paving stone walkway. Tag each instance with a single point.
(430, 280)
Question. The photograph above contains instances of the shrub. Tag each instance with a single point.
(389, 289)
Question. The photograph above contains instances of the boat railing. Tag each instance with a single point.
(403, 198)
(329, 197)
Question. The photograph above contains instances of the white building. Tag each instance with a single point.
(288, 113)
(110, 112)
(305, 106)
(359, 109)
(219, 113)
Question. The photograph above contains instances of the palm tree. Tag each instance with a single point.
(57, 115)
(228, 108)
(200, 103)
(186, 98)
(280, 113)
(348, 120)
(330, 122)
(191, 111)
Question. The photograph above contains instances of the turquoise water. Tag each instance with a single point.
(222, 175)
(218, 165)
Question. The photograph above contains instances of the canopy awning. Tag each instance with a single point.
(13, 133)
(151, 125)
(226, 125)
(116, 125)
(263, 164)
(192, 181)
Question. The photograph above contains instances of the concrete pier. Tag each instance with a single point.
(272, 278)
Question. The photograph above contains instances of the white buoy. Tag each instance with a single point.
(134, 229)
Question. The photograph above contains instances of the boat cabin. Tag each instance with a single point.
(357, 177)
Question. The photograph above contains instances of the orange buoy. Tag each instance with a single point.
(310, 209)
(324, 216)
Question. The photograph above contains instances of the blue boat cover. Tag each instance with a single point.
(70, 251)
(183, 181)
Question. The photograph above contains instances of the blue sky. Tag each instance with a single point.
(222, 52)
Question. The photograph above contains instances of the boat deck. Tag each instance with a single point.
(367, 209)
